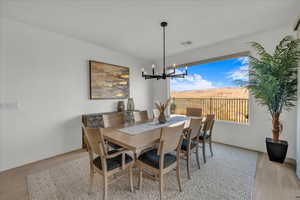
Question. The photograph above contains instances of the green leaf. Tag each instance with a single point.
(273, 78)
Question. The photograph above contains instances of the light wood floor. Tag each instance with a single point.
(275, 181)
(272, 181)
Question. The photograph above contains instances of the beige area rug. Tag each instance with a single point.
(228, 175)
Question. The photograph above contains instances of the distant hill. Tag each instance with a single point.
(227, 92)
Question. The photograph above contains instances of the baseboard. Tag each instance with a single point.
(291, 161)
(45, 159)
(288, 160)
(231, 145)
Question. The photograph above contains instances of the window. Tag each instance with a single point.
(214, 86)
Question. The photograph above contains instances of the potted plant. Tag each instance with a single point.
(173, 106)
(273, 82)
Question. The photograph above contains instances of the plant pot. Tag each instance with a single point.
(276, 149)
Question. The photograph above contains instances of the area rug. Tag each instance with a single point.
(228, 175)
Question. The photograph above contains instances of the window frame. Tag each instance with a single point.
(216, 59)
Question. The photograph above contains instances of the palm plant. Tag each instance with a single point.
(273, 78)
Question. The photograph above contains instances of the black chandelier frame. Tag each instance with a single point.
(164, 75)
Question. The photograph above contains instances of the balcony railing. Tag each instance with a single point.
(235, 110)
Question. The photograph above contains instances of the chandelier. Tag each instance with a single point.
(164, 75)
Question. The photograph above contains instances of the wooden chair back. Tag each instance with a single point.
(95, 139)
(211, 126)
(113, 120)
(155, 113)
(141, 116)
(208, 124)
(195, 128)
(195, 112)
(170, 139)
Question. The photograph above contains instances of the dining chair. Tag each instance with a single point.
(160, 160)
(193, 112)
(113, 120)
(191, 142)
(155, 113)
(141, 116)
(206, 134)
(107, 163)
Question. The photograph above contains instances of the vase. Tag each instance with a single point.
(121, 106)
(162, 118)
(130, 104)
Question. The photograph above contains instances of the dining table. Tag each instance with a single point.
(137, 136)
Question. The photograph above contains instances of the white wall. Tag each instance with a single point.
(251, 136)
(1, 90)
(46, 81)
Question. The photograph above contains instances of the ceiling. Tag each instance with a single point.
(132, 26)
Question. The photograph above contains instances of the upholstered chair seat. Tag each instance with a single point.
(114, 162)
(185, 144)
(151, 158)
(204, 136)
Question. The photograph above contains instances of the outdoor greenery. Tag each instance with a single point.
(273, 78)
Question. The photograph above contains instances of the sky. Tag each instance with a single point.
(212, 75)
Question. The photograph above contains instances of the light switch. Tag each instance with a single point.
(9, 105)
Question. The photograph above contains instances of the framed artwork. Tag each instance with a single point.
(108, 81)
